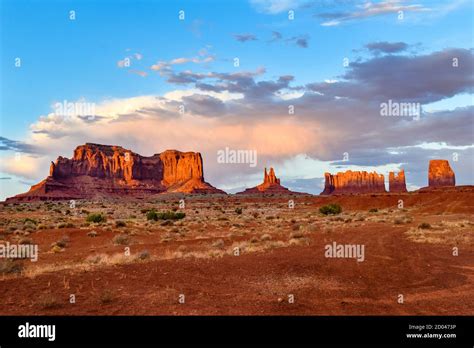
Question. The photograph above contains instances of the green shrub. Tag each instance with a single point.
(373, 210)
(168, 215)
(424, 226)
(98, 217)
(330, 209)
(238, 211)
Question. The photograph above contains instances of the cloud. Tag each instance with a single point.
(165, 68)
(369, 9)
(276, 36)
(17, 146)
(405, 78)
(300, 40)
(246, 110)
(245, 37)
(127, 61)
(139, 73)
(275, 6)
(386, 47)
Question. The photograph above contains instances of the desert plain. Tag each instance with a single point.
(242, 255)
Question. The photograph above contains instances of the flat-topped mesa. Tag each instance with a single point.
(115, 162)
(102, 170)
(351, 182)
(271, 184)
(396, 182)
(440, 174)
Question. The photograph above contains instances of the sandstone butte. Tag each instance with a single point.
(396, 183)
(351, 182)
(105, 170)
(440, 174)
(270, 185)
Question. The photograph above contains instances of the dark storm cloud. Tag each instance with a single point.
(423, 79)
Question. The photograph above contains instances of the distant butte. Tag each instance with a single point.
(396, 183)
(351, 182)
(271, 185)
(105, 170)
(440, 174)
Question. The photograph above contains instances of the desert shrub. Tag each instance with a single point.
(143, 255)
(8, 266)
(167, 215)
(120, 223)
(28, 220)
(424, 225)
(106, 297)
(238, 211)
(48, 301)
(219, 243)
(62, 243)
(152, 215)
(330, 209)
(97, 217)
(265, 237)
(373, 210)
(92, 234)
(121, 239)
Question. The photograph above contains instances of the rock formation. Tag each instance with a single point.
(396, 183)
(351, 182)
(271, 184)
(102, 170)
(440, 174)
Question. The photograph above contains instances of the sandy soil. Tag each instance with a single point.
(250, 263)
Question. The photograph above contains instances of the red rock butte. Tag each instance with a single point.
(396, 183)
(271, 185)
(351, 182)
(440, 174)
(106, 170)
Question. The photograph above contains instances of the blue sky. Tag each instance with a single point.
(63, 59)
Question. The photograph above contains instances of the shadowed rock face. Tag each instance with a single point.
(271, 184)
(105, 170)
(440, 174)
(351, 182)
(396, 183)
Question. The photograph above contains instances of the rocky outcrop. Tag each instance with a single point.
(440, 174)
(396, 182)
(102, 170)
(351, 182)
(271, 185)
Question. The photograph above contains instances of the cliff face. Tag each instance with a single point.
(440, 174)
(396, 183)
(98, 169)
(351, 182)
(271, 184)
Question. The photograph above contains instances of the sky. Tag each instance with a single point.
(153, 75)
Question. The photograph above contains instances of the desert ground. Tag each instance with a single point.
(242, 255)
